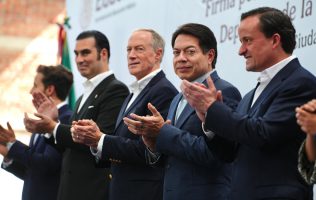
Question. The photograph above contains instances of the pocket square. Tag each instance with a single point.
(90, 107)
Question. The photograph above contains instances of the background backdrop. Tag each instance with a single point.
(118, 18)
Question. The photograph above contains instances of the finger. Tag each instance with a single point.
(9, 127)
(219, 96)
(39, 115)
(199, 84)
(308, 107)
(185, 86)
(26, 116)
(153, 110)
(133, 130)
(168, 121)
(210, 84)
(134, 120)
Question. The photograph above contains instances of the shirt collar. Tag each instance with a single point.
(139, 85)
(204, 76)
(270, 72)
(61, 104)
(96, 80)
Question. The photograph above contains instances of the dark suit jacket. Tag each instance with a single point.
(269, 137)
(191, 170)
(80, 179)
(131, 177)
(38, 164)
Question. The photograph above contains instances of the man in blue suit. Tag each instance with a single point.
(132, 178)
(264, 123)
(39, 163)
(192, 171)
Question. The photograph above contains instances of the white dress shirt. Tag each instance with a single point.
(267, 75)
(89, 85)
(136, 88)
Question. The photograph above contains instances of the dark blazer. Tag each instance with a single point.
(192, 171)
(80, 179)
(131, 177)
(269, 137)
(38, 164)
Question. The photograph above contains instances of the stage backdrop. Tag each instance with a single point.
(118, 18)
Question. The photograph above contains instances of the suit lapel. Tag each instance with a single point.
(185, 114)
(188, 110)
(173, 108)
(274, 84)
(93, 96)
(124, 112)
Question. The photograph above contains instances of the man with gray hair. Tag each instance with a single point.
(132, 178)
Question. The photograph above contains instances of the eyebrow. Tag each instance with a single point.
(82, 51)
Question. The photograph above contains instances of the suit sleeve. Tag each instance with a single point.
(104, 114)
(273, 122)
(47, 161)
(306, 168)
(132, 150)
(16, 168)
(194, 147)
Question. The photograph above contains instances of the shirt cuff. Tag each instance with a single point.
(9, 145)
(6, 162)
(209, 134)
(55, 131)
(98, 151)
(152, 157)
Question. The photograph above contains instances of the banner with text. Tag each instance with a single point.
(118, 18)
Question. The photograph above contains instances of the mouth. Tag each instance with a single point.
(183, 68)
(133, 64)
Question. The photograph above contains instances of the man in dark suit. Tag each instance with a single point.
(264, 124)
(38, 164)
(192, 171)
(101, 102)
(131, 177)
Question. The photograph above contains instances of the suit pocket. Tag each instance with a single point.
(90, 113)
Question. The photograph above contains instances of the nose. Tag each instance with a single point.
(131, 54)
(79, 59)
(181, 57)
(242, 50)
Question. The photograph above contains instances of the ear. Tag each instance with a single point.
(50, 90)
(211, 56)
(276, 40)
(158, 55)
(104, 54)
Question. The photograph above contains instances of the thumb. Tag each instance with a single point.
(9, 127)
(41, 116)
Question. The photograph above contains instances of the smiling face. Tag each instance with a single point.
(189, 61)
(89, 61)
(141, 57)
(255, 47)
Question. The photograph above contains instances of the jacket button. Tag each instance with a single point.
(110, 176)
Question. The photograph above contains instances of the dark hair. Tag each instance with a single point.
(274, 21)
(101, 41)
(207, 40)
(59, 77)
